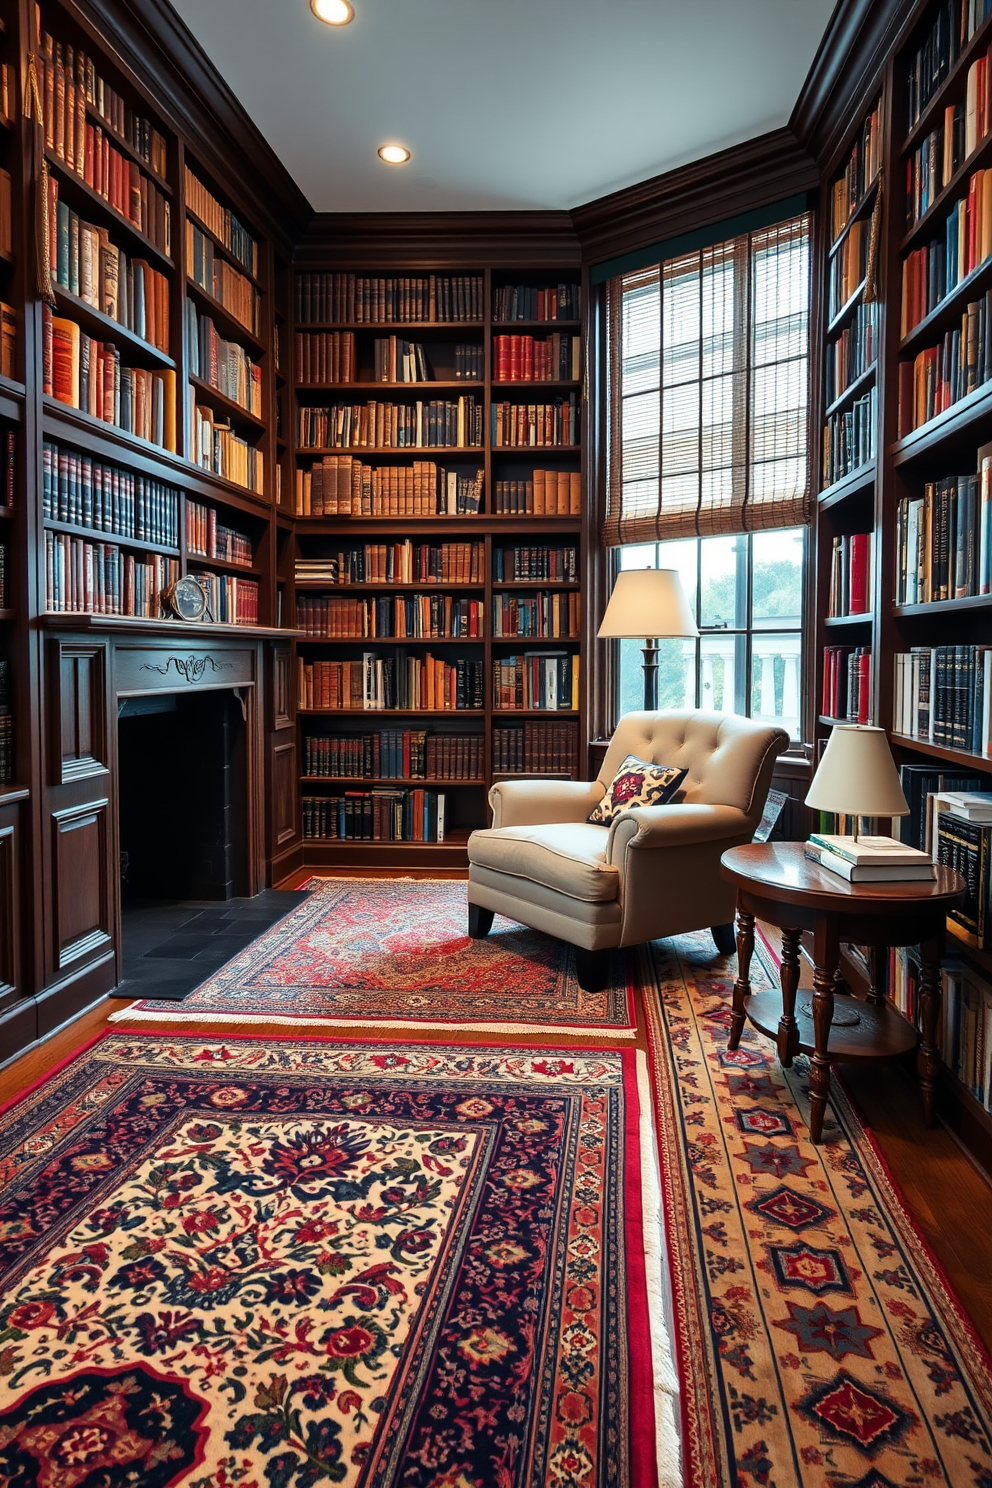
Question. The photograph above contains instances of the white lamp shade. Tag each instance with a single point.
(857, 775)
(648, 602)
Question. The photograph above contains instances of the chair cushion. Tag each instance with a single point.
(567, 856)
(637, 783)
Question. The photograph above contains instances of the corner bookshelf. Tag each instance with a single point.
(931, 379)
(485, 567)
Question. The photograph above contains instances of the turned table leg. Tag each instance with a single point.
(825, 954)
(878, 964)
(742, 986)
(788, 1031)
(927, 1059)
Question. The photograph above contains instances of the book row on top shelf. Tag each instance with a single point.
(353, 298)
(334, 358)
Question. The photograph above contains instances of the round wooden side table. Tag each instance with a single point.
(776, 882)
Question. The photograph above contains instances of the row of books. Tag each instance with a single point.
(6, 727)
(89, 374)
(221, 221)
(230, 600)
(396, 360)
(525, 302)
(8, 340)
(934, 271)
(381, 815)
(943, 695)
(86, 150)
(98, 578)
(221, 280)
(965, 1025)
(535, 425)
(361, 298)
(394, 754)
(324, 356)
(849, 439)
(941, 375)
(402, 680)
(413, 616)
(557, 564)
(91, 493)
(546, 493)
(536, 680)
(853, 352)
(342, 486)
(848, 265)
(214, 446)
(850, 575)
(944, 540)
(426, 424)
(536, 749)
(75, 77)
(859, 172)
(225, 365)
(543, 617)
(930, 787)
(953, 27)
(966, 847)
(206, 537)
(847, 683)
(86, 263)
(403, 562)
(529, 359)
(932, 164)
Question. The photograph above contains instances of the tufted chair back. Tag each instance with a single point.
(729, 759)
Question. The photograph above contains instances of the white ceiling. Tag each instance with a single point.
(505, 103)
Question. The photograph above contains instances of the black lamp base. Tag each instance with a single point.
(650, 653)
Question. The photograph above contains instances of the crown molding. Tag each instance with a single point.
(437, 239)
(753, 174)
(159, 51)
(848, 65)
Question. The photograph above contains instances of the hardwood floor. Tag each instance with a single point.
(950, 1198)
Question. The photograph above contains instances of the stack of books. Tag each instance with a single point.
(962, 835)
(870, 859)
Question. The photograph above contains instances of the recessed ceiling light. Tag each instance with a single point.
(394, 154)
(334, 12)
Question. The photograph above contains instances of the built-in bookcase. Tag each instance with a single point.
(913, 507)
(439, 434)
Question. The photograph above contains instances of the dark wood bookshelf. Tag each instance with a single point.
(84, 198)
(852, 391)
(225, 319)
(102, 327)
(207, 393)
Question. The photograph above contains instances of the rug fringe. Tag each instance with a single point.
(607, 1035)
(666, 1381)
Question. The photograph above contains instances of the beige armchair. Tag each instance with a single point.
(655, 871)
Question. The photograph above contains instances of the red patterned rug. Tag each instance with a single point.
(394, 953)
(819, 1341)
(271, 1263)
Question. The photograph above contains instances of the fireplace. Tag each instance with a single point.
(182, 797)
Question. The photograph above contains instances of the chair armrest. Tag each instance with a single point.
(674, 826)
(531, 803)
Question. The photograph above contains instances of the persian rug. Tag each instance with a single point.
(274, 1263)
(819, 1341)
(395, 953)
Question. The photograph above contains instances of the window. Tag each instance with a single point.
(747, 594)
(708, 371)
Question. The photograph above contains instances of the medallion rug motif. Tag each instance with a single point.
(273, 1263)
(819, 1343)
(396, 954)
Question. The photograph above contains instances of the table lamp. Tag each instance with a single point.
(857, 776)
(648, 604)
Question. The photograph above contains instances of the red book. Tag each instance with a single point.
(860, 552)
(864, 685)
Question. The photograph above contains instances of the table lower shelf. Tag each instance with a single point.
(878, 1033)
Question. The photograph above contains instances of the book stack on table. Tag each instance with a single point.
(870, 859)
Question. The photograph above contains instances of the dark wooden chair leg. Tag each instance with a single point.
(480, 921)
(725, 938)
(592, 969)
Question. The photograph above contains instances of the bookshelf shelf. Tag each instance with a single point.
(942, 607)
(408, 452)
(979, 158)
(369, 641)
(541, 451)
(120, 143)
(829, 722)
(514, 584)
(104, 328)
(966, 422)
(545, 713)
(224, 251)
(509, 326)
(452, 385)
(950, 85)
(406, 781)
(452, 328)
(220, 401)
(11, 793)
(948, 312)
(111, 624)
(940, 751)
(840, 621)
(392, 712)
(852, 391)
(201, 559)
(225, 321)
(849, 305)
(84, 199)
(425, 584)
(535, 384)
(95, 534)
(7, 614)
(456, 837)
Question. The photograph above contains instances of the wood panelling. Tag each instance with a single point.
(10, 920)
(178, 668)
(426, 239)
(81, 897)
(283, 793)
(282, 685)
(79, 712)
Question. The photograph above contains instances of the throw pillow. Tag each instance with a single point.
(637, 783)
